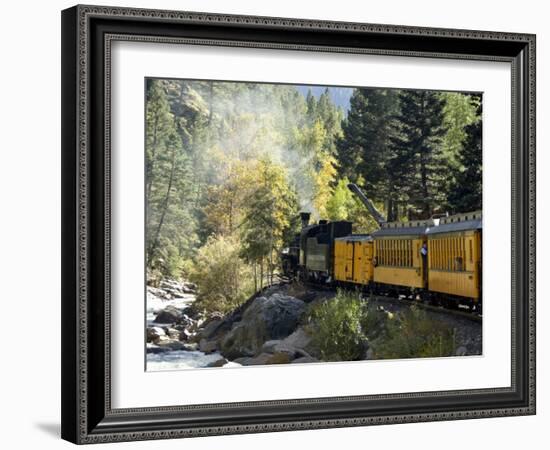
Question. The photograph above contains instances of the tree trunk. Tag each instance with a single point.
(151, 164)
(155, 242)
(426, 207)
(261, 274)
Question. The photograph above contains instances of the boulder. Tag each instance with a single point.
(189, 286)
(298, 339)
(299, 342)
(193, 312)
(265, 359)
(269, 346)
(171, 344)
(218, 363)
(154, 333)
(208, 346)
(152, 348)
(155, 292)
(280, 358)
(304, 360)
(173, 333)
(259, 360)
(175, 293)
(461, 351)
(210, 329)
(281, 347)
(242, 361)
(185, 334)
(170, 314)
(193, 347)
(272, 318)
(178, 289)
(187, 290)
(170, 284)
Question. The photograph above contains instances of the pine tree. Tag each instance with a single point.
(365, 151)
(418, 163)
(466, 189)
(460, 110)
(352, 144)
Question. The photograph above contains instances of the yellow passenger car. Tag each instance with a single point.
(454, 256)
(353, 259)
(397, 254)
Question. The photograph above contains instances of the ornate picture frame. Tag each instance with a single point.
(88, 33)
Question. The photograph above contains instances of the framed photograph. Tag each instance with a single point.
(281, 224)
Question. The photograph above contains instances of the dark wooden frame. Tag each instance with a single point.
(87, 32)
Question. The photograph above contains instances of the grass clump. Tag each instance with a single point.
(336, 327)
(413, 334)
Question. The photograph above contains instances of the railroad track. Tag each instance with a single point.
(473, 316)
(426, 306)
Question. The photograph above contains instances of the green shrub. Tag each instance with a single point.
(336, 327)
(374, 321)
(413, 334)
(223, 279)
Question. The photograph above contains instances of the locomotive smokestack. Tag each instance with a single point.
(368, 204)
(304, 217)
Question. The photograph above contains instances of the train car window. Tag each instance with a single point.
(448, 265)
(451, 258)
(400, 252)
(463, 240)
(441, 264)
(453, 254)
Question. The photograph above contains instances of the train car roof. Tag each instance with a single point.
(355, 238)
(327, 223)
(400, 231)
(463, 225)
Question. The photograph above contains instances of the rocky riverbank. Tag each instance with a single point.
(273, 327)
(267, 329)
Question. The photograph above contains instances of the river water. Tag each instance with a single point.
(175, 359)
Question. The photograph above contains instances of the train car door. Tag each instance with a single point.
(368, 249)
(349, 260)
